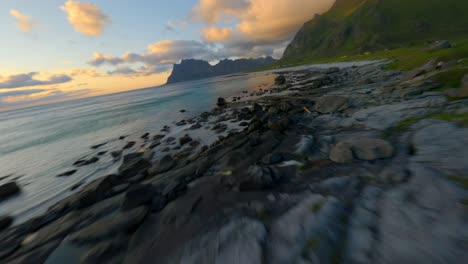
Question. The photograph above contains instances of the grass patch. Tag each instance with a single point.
(451, 78)
(461, 119)
(462, 181)
(316, 207)
(405, 59)
(405, 124)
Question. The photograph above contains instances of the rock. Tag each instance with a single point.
(145, 136)
(280, 80)
(332, 70)
(259, 178)
(170, 139)
(341, 153)
(148, 154)
(331, 104)
(68, 173)
(221, 102)
(116, 154)
(98, 145)
(8, 189)
(108, 228)
(422, 221)
(244, 124)
(310, 230)
(90, 161)
(164, 164)
(183, 111)
(5, 222)
(104, 251)
(278, 123)
(185, 139)
(195, 126)
(38, 255)
(101, 153)
(371, 148)
(158, 137)
(441, 44)
(195, 144)
(138, 195)
(129, 145)
(133, 164)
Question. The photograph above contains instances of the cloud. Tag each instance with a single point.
(159, 55)
(212, 11)
(260, 27)
(25, 23)
(170, 26)
(21, 92)
(122, 70)
(262, 22)
(86, 18)
(29, 97)
(27, 79)
(100, 59)
(85, 72)
(216, 34)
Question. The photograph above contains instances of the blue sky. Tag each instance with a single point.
(64, 49)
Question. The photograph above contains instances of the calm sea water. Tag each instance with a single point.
(38, 143)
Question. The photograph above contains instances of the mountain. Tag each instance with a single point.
(192, 69)
(355, 26)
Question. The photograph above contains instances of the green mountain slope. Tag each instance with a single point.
(353, 27)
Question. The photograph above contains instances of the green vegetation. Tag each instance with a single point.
(461, 119)
(377, 29)
(316, 207)
(460, 180)
(451, 78)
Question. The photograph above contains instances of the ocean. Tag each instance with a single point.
(38, 143)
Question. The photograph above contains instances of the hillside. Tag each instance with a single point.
(192, 69)
(353, 27)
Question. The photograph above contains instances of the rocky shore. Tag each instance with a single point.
(350, 165)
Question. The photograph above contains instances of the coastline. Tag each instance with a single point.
(245, 166)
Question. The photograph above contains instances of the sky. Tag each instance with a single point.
(55, 50)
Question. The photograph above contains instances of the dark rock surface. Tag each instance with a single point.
(353, 182)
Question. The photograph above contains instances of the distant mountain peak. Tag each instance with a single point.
(192, 69)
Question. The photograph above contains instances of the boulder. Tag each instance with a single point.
(332, 70)
(331, 104)
(278, 123)
(164, 164)
(371, 148)
(8, 189)
(441, 44)
(107, 228)
(129, 145)
(133, 164)
(138, 195)
(116, 154)
(185, 139)
(221, 102)
(341, 153)
(5, 222)
(104, 252)
(67, 173)
(280, 80)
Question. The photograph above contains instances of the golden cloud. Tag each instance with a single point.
(24, 23)
(216, 34)
(260, 20)
(161, 47)
(86, 18)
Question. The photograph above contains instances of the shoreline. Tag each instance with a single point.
(311, 142)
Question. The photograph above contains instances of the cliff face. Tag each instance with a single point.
(352, 27)
(191, 69)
